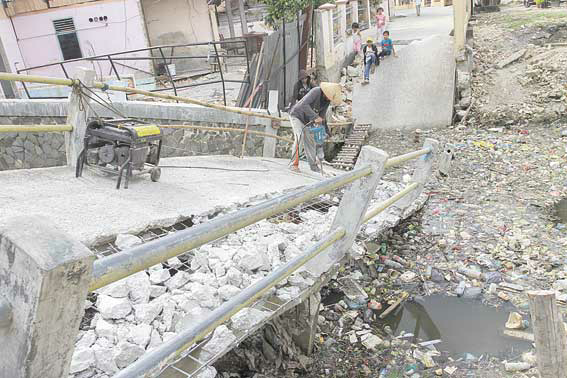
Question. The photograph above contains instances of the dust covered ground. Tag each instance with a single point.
(487, 235)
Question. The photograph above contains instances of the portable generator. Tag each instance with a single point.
(121, 146)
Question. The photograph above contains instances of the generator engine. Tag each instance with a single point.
(121, 147)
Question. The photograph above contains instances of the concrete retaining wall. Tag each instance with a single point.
(29, 150)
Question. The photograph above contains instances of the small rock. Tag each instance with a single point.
(118, 289)
(140, 335)
(113, 308)
(472, 292)
(247, 317)
(126, 353)
(516, 366)
(157, 290)
(87, 340)
(226, 292)
(178, 280)
(159, 276)
(145, 313)
(371, 341)
(103, 351)
(140, 287)
(222, 338)
(82, 359)
(124, 241)
(105, 329)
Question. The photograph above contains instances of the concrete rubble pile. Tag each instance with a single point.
(139, 313)
(520, 70)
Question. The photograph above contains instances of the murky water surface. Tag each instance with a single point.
(464, 326)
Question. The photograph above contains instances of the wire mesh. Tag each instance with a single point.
(142, 311)
(363, 21)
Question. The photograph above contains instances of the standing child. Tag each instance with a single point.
(356, 38)
(380, 22)
(387, 46)
(370, 55)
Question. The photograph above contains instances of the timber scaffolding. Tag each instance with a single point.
(47, 272)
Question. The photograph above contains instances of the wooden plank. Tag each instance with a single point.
(549, 334)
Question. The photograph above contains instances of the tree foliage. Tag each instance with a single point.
(280, 10)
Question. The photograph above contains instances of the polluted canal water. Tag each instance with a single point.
(464, 326)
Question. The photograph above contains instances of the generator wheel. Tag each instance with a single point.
(155, 174)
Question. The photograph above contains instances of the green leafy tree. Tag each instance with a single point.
(280, 10)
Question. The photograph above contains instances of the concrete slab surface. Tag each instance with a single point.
(415, 90)
(91, 210)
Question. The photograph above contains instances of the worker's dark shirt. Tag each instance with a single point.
(313, 105)
(300, 90)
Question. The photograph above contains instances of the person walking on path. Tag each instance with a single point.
(380, 22)
(310, 110)
(418, 7)
(370, 56)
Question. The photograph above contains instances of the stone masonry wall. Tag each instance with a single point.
(37, 150)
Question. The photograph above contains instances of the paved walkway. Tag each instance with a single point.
(91, 209)
(415, 90)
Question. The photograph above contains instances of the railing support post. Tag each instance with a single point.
(352, 209)
(44, 278)
(549, 334)
(422, 172)
(269, 150)
(77, 115)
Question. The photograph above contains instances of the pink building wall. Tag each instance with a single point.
(37, 42)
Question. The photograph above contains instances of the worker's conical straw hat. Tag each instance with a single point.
(333, 92)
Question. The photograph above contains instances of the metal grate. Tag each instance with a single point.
(64, 25)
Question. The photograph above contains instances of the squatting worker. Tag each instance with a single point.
(311, 110)
(302, 87)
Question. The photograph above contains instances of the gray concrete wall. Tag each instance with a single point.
(29, 150)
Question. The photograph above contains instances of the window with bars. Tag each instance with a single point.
(67, 37)
(337, 14)
(349, 18)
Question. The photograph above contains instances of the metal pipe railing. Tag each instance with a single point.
(156, 359)
(34, 128)
(405, 157)
(115, 267)
(99, 85)
(390, 201)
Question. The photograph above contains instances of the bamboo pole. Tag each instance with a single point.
(212, 128)
(34, 128)
(99, 85)
(252, 97)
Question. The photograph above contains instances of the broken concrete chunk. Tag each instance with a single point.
(140, 335)
(226, 292)
(247, 317)
(511, 58)
(352, 290)
(126, 353)
(371, 341)
(118, 289)
(178, 280)
(208, 372)
(140, 287)
(157, 290)
(104, 360)
(145, 313)
(159, 276)
(516, 366)
(82, 360)
(113, 308)
(106, 330)
(87, 340)
(193, 317)
(234, 277)
(124, 241)
(221, 340)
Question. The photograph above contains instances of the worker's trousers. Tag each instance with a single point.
(306, 141)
